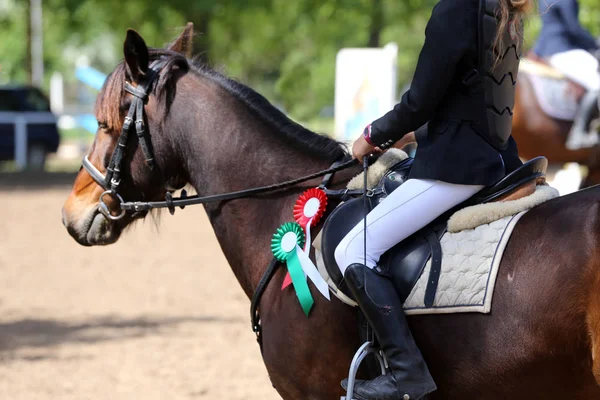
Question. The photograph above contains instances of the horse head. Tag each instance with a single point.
(123, 162)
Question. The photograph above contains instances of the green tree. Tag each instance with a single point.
(284, 49)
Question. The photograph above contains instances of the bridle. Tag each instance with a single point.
(111, 181)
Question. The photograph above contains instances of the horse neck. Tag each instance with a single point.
(227, 148)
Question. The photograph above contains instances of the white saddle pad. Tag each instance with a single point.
(470, 263)
(554, 97)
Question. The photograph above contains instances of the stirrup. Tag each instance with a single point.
(362, 352)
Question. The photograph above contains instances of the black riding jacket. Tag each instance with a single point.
(465, 97)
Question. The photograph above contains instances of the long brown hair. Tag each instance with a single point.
(510, 10)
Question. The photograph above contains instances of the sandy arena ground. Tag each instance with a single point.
(159, 315)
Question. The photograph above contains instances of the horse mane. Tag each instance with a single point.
(110, 112)
(293, 133)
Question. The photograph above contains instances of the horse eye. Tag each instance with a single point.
(102, 125)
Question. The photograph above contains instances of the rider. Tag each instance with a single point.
(464, 86)
(570, 49)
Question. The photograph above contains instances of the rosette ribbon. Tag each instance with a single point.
(285, 245)
(308, 211)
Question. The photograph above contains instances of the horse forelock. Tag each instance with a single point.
(108, 102)
(110, 105)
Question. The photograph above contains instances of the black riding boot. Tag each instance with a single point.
(579, 136)
(408, 378)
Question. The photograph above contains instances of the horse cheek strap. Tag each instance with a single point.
(141, 134)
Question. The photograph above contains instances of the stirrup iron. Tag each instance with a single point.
(362, 352)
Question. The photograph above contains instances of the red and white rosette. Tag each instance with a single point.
(308, 211)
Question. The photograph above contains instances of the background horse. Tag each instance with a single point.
(539, 134)
(542, 339)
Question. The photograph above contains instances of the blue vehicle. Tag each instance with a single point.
(42, 130)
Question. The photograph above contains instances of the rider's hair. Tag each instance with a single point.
(510, 10)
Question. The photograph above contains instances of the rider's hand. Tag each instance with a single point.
(362, 148)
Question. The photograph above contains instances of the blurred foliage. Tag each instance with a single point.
(284, 49)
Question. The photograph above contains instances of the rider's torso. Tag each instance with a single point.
(468, 139)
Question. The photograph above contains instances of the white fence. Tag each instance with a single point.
(21, 120)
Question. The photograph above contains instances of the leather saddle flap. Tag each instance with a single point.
(403, 263)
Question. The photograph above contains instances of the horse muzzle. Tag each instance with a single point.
(93, 229)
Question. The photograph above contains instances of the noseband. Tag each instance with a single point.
(111, 181)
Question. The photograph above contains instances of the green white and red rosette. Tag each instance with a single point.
(286, 246)
(308, 211)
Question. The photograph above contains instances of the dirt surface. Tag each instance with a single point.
(158, 315)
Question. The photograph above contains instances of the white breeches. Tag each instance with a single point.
(580, 66)
(406, 210)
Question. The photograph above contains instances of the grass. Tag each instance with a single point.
(53, 164)
(67, 135)
(321, 125)
(8, 166)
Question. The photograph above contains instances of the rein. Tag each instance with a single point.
(171, 203)
(183, 201)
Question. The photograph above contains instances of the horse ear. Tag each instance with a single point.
(136, 55)
(183, 44)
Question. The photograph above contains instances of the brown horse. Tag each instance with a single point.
(538, 134)
(541, 340)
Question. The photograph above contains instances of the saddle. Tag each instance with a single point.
(405, 262)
